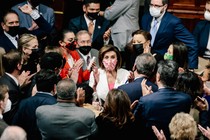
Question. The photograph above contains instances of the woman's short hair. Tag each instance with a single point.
(24, 39)
(108, 48)
(183, 127)
(145, 34)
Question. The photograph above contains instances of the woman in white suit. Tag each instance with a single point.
(110, 74)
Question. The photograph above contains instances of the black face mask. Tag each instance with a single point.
(35, 3)
(85, 49)
(13, 30)
(92, 16)
(138, 48)
(34, 56)
(71, 46)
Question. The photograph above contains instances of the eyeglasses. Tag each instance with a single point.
(156, 6)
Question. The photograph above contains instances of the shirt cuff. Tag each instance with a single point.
(34, 14)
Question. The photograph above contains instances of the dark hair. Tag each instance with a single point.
(3, 90)
(190, 83)
(51, 60)
(168, 70)
(61, 35)
(87, 2)
(88, 92)
(180, 54)
(145, 34)
(5, 13)
(108, 48)
(45, 80)
(66, 89)
(117, 108)
(10, 60)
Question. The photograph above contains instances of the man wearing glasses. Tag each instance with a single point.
(165, 28)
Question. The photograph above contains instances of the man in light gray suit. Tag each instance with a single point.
(26, 20)
(65, 120)
(124, 17)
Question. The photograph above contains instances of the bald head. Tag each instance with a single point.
(13, 133)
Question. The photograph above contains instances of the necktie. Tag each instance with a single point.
(91, 27)
(153, 31)
(88, 60)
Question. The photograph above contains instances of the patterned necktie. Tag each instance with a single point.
(91, 27)
(153, 31)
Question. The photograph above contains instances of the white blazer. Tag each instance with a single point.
(102, 87)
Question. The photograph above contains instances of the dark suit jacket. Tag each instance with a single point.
(26, 117)
(15, 96)
(101, 25)
(171, 29)
(134, 89)
(41, 22)
(158, 109)
(201, 33)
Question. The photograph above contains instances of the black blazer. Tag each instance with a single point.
(101, 25)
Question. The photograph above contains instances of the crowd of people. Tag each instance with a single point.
(106, 75)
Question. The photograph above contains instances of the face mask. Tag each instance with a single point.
(138, 48)
(168, 56)
(207, 15)
(34, 56)
(110, 64)
(13, 30)
(35, 3)
(85, 49)
(155, 12)
(8, 106)
(92, 16)
(71, 46)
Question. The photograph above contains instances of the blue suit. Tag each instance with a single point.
(158, 109)
(134, 89)
(101, 25)
(26, 117)
(201, 33)
(171, 29)
(26, 20)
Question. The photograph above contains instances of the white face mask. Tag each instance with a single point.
(8, 106)
(207, 15)
(155, 12)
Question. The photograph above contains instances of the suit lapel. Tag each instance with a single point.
(83, 23)
(97, 29)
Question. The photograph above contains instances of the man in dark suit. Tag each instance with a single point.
(11, 62)
(201, 33)
(143, 69)
(12, 31)
(65, 120)
(166, 28)
(100, 26)
(25, 116)
(159, 107)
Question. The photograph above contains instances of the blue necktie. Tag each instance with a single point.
(153, 31)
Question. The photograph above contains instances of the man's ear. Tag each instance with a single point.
(84, 8)
(134, 67)
(157, 77)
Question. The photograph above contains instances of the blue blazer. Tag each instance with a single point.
(134, 89)
(79, 23)
(158, 109)
(201, 33)
(171, 29)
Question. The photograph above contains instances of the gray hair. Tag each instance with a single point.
(66, 89)
(145, 64)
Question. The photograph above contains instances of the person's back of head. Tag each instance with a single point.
(183, 127)
(11, 61)
(13, 133)
(66, 90)
(117, 108)
(46, 79)
(145, 64)
(51, 60)
(167, 73)
(190, 83)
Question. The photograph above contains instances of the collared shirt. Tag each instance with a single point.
(158, 19)
(1, 116)
(12, 39)
(48, 93)
(88, 21)
(85, 56)
(15, 79)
